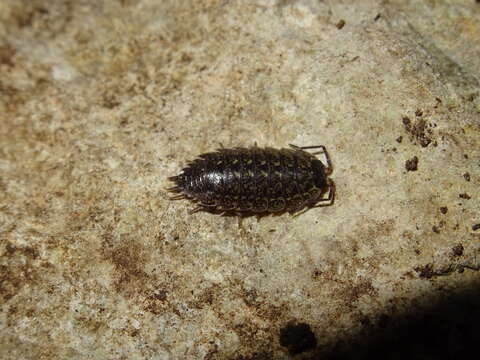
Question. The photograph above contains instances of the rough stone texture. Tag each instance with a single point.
(101, 101)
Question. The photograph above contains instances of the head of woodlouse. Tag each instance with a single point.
(319, 174)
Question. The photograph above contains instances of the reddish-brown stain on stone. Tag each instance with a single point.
(425, 272)
(128, 259)
(420, 131)
(355, 291)
(7, 52)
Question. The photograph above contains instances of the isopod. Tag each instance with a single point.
(256, 180)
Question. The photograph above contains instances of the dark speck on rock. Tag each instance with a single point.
(425, 272)
(457, 250)
(444, 210)
(412, 164)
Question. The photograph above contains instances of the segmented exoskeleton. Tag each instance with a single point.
(256, 180)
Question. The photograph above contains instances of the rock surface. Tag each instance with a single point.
(101, 101)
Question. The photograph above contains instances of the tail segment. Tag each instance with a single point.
(178, 181)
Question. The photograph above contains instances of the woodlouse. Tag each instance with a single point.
(244, 181)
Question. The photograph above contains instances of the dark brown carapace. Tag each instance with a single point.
(244, 181)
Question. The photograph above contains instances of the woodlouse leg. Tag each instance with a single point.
(196, 209)
(307, 147)
(320, 202)
(202, 206)
(240, 222)
(178, 197)
(323, 149)
(299, 211)
(329, 168)
(331, 196)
